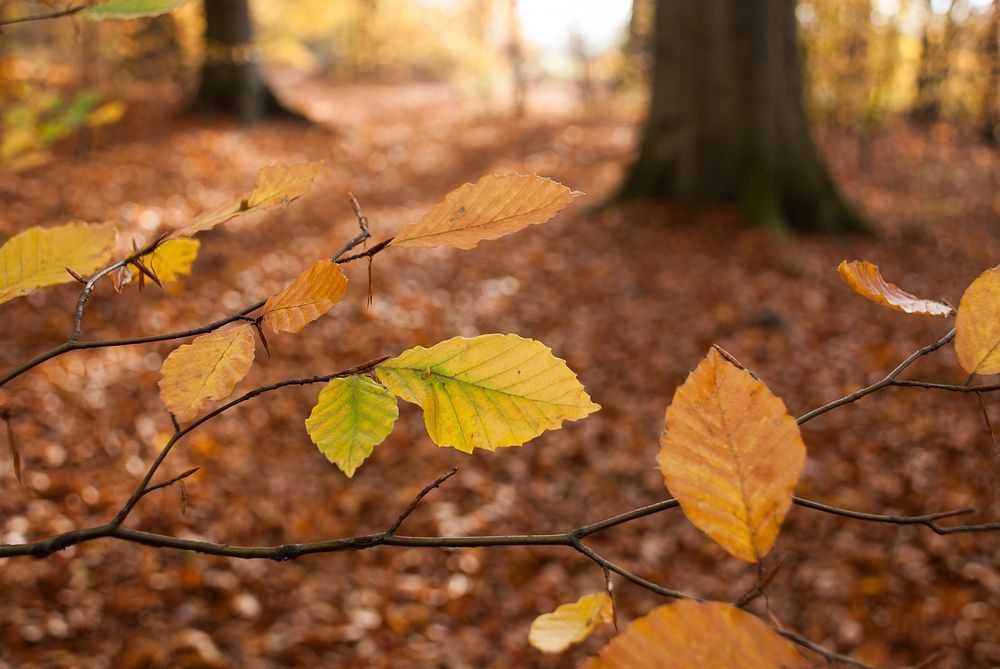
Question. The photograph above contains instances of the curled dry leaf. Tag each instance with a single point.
(487, 392)
(731, 455)
(570, 623)
(38, 257)
(206, 369)
(276, 185)
(697, 635)
(977, 327)
(352, 416)
(866, 279)
(311, 295)
(489, 209)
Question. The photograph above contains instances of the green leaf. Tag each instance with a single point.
(352, 417)
(132, 9)
(487, 392)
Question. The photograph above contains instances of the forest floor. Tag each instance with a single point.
(632, 297)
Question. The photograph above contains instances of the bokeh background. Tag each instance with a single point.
(404, 101)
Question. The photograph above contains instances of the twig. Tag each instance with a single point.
(169, 482)
(829, 655)
(362, 224)
(888, 380)
(42, 17)
(420, 496)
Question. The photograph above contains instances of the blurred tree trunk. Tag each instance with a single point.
(231, 82)
(990, 124)
(726, 121)
(515, 56)
(932, 70)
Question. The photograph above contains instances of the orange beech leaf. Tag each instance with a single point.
(206, 369)
(864, 277)
(489, 209)
(731, 455)
(311, 295)
(977, 327)
(570, 623)
(697, 635)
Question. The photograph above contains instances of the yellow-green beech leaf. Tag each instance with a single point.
(311, 295)
(570, 623)
(276, 185)
(977, 326)
(866, 280)
(352, 417)
(131, 9)
(206, 369)
(731, 455)
(170, 260)
(697, 635)
(489, 209)
(39, 257)
(487, 392)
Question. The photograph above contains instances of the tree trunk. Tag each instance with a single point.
(726, 121)
(231, 82)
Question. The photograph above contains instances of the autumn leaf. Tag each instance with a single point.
(206, 369)
(39, 257)
(489, 209)
(352, 416)
(731, 455)
(697, 635)
(276, 185)
(131, 9)
(487, 392)
(570, 623)
(866, 279)
(977, 326)
(311, 295)
(170, 259)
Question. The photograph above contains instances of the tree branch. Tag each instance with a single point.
(43, 17)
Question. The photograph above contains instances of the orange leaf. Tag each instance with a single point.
(311, 295)
(697, 635)
(864, 277)
(489, 209)
(731, 455)
(206, 369)
(977, 327)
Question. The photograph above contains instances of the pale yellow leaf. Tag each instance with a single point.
(731, 455)
(977, 326)
(864, 277)
(352, 416)
(206, 369)
(489, 209)
(279, 184)
(311, 295)
(39, 257)
(170, 260)
(276, 185)
(487, 392)
(570, 623)
(698, 635)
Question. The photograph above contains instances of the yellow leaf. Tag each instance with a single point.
(106, 114)
(352, 416)
(279, 184)
(206, 369)
(977, 327)
(276, 184)
(493, 207)
(697, 635)
(864, 277)
(487, 392)
(731, 455)
(311, 295)
(39, 257)
(171, 259)
(570, 623)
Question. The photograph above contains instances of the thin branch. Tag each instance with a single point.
(362, 237)
(43, 17)
(621, 571)
(993, 387)
(367, 254)
(888, 380)
(419, 498)
(169, 482)
(830, 656)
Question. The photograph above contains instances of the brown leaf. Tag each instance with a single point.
(731, 455)
(311, 295)
(864, 277)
